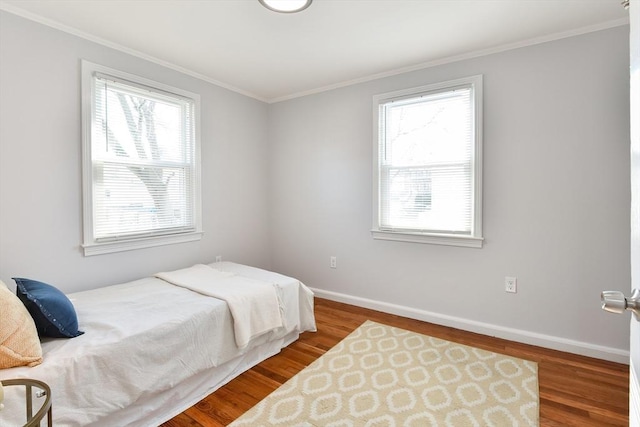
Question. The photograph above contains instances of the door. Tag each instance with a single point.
(634, 398)
(612, 300)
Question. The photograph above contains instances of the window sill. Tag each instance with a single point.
(140, 243)
(433, 239)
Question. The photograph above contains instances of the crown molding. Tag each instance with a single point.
(73, 31)
(429, 64)
(461, 57)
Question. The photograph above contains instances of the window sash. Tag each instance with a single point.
(430, 211)
(135, 210)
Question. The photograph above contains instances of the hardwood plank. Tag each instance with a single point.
(574, 390)
(182, 420)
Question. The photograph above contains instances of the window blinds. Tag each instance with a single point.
(426, 163)
(143, 160)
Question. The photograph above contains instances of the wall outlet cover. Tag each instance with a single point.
(510, 284)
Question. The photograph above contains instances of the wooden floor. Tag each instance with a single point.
(574, 390)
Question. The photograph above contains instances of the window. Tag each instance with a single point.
(140, 162)
(428, 164)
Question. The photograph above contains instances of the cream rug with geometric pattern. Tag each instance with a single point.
(384, 376)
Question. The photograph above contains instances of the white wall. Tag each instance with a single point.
(556, 199)
(40, 165)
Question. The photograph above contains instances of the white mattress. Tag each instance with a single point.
(150, 350)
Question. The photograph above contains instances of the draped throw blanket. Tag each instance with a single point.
(253, 304)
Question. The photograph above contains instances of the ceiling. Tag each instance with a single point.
(270, 56)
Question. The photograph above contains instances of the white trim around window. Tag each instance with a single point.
(141, 162)
(425, 139)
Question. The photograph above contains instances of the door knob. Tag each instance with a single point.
(616, 302)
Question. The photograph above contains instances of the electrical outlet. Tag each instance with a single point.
(218, 258)
(333, 262)
(511, 284)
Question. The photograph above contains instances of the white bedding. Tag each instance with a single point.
(148, 344)
(253, 304)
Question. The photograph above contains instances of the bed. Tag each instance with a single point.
(151, 349)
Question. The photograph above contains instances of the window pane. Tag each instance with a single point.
(429, 200)
(135, 200)
(430, 129)
(140, 126)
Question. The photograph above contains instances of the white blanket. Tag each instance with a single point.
(253, 304)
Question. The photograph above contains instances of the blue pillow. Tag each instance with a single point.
(51, 310)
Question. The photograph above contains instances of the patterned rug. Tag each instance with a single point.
(385, 376)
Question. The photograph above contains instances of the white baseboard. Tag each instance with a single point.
(634, 396)
(526, 337)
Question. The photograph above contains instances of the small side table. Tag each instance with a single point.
(45, 391)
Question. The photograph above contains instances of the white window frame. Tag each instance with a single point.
(475, 238)
(91, 246)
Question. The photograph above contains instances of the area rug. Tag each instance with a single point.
(385, 376)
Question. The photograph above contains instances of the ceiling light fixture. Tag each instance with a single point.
(286, 6)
